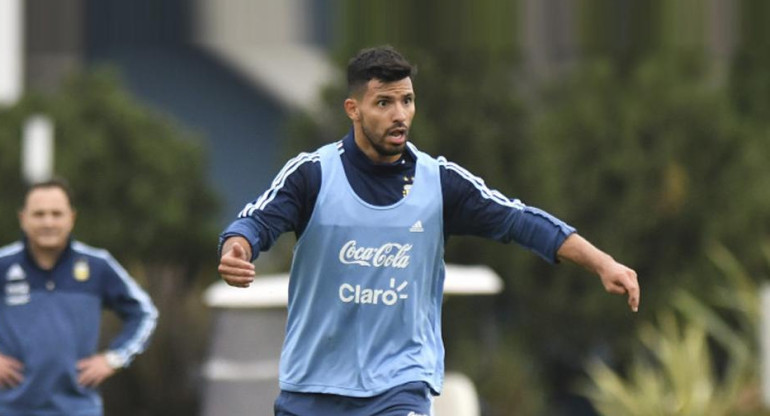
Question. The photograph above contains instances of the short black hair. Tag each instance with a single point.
(55, 182)
(381, 62)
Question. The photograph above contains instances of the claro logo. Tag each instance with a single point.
(361, 295)
(387, 255)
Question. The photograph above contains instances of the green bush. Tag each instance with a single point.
(140, 191)
(702, 361)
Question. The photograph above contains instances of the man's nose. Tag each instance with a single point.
(399, 113)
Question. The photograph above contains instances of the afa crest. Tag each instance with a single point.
(81, 271)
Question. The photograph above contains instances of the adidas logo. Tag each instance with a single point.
(15, 272)
(416, 228)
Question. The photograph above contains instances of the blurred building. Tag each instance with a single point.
(230, 71)
(233, 70)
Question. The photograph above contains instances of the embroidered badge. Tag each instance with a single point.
(81, 271)
(408, 181)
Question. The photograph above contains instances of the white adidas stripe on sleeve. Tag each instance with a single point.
(479, 184)
(278, 183)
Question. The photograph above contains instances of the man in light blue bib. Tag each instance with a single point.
(372, 214)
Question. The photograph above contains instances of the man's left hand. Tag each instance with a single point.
(92, 371)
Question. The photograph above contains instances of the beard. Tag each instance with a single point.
(380, 144)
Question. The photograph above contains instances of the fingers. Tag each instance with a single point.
(242, 282)
(85, 378)
(236, 275)
(229, 261)
(90, 379)
(622, 281)
(235, 268)
(617, 289)
(84, 374)
(634, 292)
(626, 283)
(93, 371)
(11, 372)
(10, 379)
(236, 272)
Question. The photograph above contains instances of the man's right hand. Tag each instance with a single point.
(234, 265)
(10, 372)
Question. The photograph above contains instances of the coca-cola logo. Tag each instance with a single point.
(387, 255)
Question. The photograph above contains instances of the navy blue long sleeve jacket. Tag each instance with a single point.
(50, 319)
(470, 207)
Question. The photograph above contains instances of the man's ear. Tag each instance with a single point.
(351, 109)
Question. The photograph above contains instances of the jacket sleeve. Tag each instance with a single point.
(472, 208)
(285, 206)
(133, 306)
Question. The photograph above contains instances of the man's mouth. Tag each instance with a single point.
(397, 135)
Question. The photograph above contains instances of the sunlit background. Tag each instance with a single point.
(642, 123)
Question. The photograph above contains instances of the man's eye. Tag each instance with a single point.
(382, 103)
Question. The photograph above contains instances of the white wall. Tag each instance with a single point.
(11, 50)
(252, 22)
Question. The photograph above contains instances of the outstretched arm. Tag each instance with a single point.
(616, 277)
(286, 206)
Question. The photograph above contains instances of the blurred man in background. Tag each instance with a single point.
(372, 214)
(54, 289)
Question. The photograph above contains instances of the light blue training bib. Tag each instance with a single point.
(366, 288)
